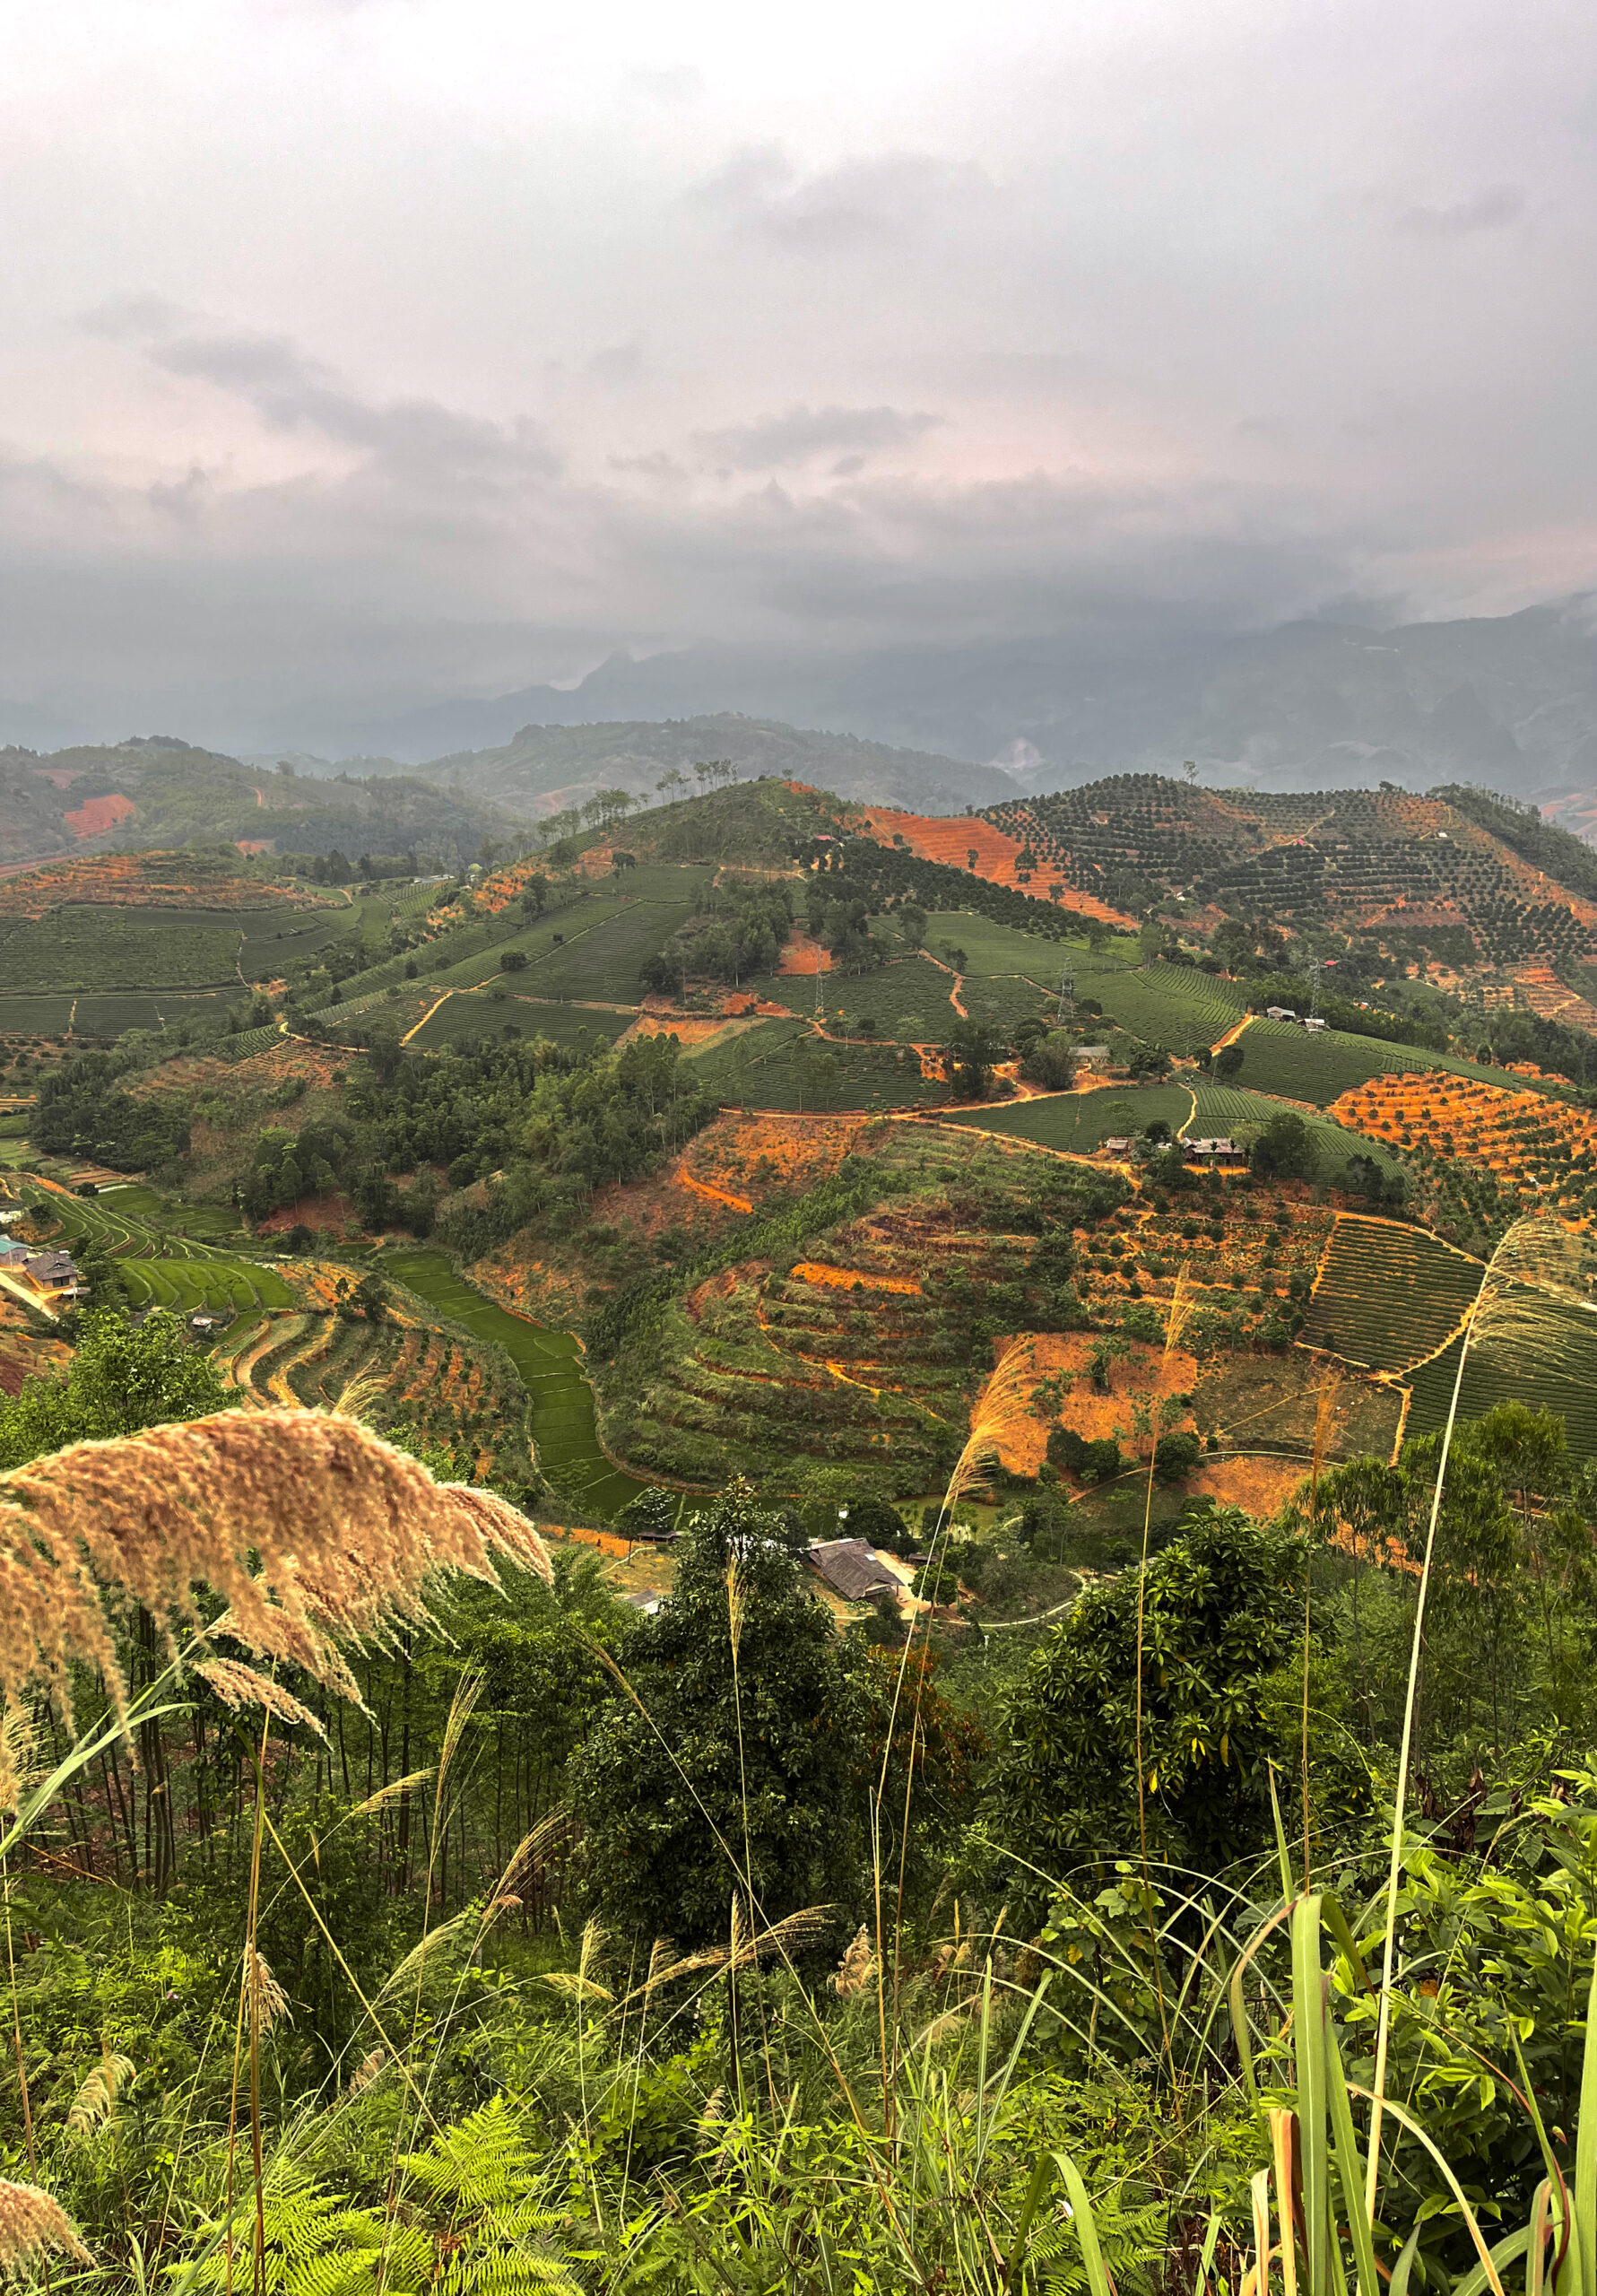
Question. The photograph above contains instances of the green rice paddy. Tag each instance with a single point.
(551, 1365)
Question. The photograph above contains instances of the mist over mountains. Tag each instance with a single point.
(1508, 700)
(1323, 704)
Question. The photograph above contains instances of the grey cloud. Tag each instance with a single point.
(786, 440)
(618, 362)
(290, 391)
(863, 202)
(1492, 209)
(133, 318)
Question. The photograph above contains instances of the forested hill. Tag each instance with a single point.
(159, 791)
(566, 765)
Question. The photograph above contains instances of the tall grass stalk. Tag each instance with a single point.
(1520, 1256)
(1177, 1317)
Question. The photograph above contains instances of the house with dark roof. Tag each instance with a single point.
(1218, 1151)
(850, 1569)
(54, 1276)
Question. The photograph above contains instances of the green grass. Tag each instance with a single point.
(757, 1069)
(1079, 1121)
(1277, 1058)
(551, 1366)
(467, 1017)
(1387, 1296)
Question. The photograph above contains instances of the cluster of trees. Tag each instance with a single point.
(335, 868)
(82, 1109)
(288, 1165)
(727, 941)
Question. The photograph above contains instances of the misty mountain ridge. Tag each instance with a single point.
(546, 767)
(1317, 704)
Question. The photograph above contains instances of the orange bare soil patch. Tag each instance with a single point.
(95, 816)
(848, 1279)
(254, 844)
(713, 1194)
(698, 1029)
(1261, 1485)
(803, 956)
(1061, 1357)
(136, 880)
(1524, 1138)
(1547, 995)
(953, 841)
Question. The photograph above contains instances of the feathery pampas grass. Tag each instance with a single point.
(31, 2224)
(311, 1529)
(96, 2100)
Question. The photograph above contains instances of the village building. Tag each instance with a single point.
(1095, 1057)
(52, 1275)
(852, 1569)
(1219, 1150)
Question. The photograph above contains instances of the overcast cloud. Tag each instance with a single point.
(358, 352)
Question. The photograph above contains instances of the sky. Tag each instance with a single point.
(355, 353)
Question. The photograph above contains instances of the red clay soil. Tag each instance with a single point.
(953, 840)
(95, 816)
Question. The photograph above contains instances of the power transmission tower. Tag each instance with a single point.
(1067, 991)
(1313, 969)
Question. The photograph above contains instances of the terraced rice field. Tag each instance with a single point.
(550, 1363)
(161, 1268)
(1173, 1005)
(782, 1064)
(1226, 1108)
(1537, 1144)
(415, 1377)
(1387, 1296)
(463, 1018)
(1326, 1064)
(912, 1001)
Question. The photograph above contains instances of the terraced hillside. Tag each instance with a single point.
(1386, 1296)
(402, 1374)
(1373, 863)
(1540, 1147)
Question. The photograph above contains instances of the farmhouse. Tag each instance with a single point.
(1095, 1057)
(851, 1569)
(52, 1275)
(1279, 1012)
(1119, 1143)
(1218, 1151)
